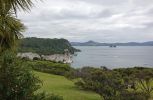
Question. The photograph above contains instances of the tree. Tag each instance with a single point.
(8, 5)
(46, 46)
(10, 26)
(10, 32)
(17, 82)
(16, 79)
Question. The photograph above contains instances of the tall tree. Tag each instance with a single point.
(10, 26)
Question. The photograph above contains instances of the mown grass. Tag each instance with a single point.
(64, 87)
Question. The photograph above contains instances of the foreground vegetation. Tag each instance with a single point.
(64, 87)
(117, 84)
(17, 82)
(49, 67)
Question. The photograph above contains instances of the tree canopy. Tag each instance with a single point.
(45, 46)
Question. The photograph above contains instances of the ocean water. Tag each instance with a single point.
(121, 56)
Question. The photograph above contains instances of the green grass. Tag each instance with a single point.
(64, 87)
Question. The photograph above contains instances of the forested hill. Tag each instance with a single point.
(45, 46)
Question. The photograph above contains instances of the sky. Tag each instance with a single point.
(84, 20)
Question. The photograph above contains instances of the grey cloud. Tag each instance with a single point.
(105, 2)
(82, 20)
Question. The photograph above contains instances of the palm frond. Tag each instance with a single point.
(10, 32)
(8, 5)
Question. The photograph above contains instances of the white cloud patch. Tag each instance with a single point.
(99, 20)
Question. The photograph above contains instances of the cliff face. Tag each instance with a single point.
(29, 55)
(58, 58)
(65, 58)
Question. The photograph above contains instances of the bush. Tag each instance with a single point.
(43, 96)
(36, 58)
(107, 83)
(77, 73)
(17, 81)
(133, 96)
(139, 78)
(111, 84)
(50, 67)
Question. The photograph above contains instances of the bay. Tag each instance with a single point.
(121, 56)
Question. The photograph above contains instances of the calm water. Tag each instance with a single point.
(124, 56)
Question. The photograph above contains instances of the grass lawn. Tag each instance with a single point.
(64, 87)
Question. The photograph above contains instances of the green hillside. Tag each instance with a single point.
(64, 87)
(45, 46)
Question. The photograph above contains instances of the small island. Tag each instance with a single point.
(113, 46)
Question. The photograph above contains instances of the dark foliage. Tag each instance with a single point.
(50, 67)
(138, 78)
(45, 46)
(17, 81)
(117, 84)
(126, 95)
(104, 82)
(43, 96)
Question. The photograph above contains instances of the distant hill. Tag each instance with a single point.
(93, 43)
(45, 46)
(89, 43)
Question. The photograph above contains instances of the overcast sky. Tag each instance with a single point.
(98, 20)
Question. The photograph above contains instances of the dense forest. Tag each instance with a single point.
(45, 46)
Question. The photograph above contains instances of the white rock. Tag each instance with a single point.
(29, 55)
(65, 58)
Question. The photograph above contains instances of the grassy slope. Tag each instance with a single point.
(66, 88)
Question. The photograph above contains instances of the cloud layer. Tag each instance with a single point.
(83, 20)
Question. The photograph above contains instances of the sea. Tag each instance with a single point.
(113, 57)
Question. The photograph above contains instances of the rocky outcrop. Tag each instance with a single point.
(29, 55)
(58, 58)
(65, 58)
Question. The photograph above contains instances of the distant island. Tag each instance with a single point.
(93, 43)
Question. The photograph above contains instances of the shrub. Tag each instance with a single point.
(36, 58)
(17, 81)
(107, 83)
(140, 78)
(77, 73)
(126, 95)
(112, 84)
(44, 96)
(50, 67)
